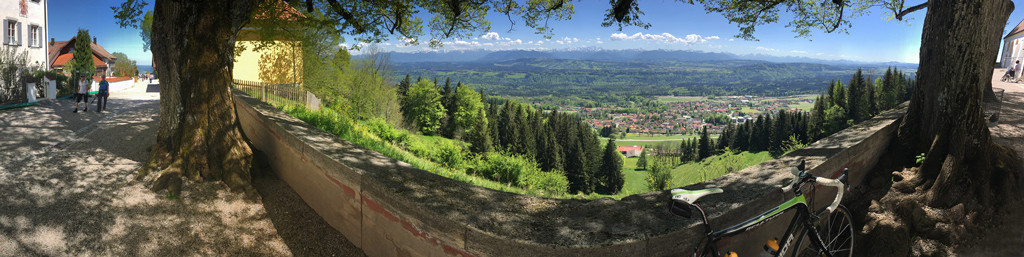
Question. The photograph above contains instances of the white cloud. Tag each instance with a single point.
(798, 52)
(567, 40)
(819, 54)
(664, 38)
(732, 39)
(494, 36)
(511, 42)
(761, 48)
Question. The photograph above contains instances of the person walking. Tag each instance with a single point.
(101, 97)
(82, 94)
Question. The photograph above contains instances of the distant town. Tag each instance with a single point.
(687, 115)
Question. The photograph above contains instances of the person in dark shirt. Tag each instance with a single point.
(101, 97)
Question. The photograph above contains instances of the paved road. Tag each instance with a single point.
(66, 189)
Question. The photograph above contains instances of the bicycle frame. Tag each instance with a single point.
(802, 218)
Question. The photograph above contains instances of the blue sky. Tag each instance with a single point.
(674, 26)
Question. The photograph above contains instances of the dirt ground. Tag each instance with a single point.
(1006, 238)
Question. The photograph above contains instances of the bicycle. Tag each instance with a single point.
(838, 225)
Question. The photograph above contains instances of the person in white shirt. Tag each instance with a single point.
(82, 95)
(1016, 69)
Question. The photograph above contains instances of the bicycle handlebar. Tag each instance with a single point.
(839, 183)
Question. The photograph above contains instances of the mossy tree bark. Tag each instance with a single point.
(199, 136)
(965, 174)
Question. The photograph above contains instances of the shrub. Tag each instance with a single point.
(385, 131)
(419, 148)
(552, 182)
(521, 172)
(660, 175)
(449, 154)
(502, 168)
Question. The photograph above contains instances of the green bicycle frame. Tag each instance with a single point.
(798, 202)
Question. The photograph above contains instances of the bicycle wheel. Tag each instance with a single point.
(836, 233)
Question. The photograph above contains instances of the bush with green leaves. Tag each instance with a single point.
(521, 172)
(449, 154)
(660, 174)
(550, 182)
(385, 131)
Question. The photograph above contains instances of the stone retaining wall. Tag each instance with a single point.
(388, 208)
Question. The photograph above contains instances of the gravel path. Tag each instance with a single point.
(66, 189)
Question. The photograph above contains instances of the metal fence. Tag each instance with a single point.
(280, 93)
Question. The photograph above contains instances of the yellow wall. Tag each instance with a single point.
(281, 63)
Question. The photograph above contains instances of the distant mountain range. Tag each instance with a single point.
(487, 56)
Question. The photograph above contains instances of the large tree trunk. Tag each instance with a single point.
(199, 136)
(964, 175)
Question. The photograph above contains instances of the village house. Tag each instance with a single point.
(24, 29)
(61, 52)
(630, 151)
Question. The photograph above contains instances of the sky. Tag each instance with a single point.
(674, 26)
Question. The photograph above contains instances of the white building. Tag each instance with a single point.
(1013, 46)
(25, 29)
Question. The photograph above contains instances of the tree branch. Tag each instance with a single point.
(347, 16)
(899, 16)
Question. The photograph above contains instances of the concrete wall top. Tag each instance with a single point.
(488, 222)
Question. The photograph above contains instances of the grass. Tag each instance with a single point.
(635, 180)
(689, 173)
(716, 166)
(749, 110)
(339, 125)
(803, 106)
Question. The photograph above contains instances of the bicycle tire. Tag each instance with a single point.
(836, 233)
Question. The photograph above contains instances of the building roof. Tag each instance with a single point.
(65, 58)
(629, 148)
(58, 46)
(1018, 29)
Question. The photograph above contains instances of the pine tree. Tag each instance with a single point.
(610, 172)
(641, 163)
(508, 129)
(549, 152)
(778, 134)
(403, 86)
(817, 121)
(704, 149)
(81, 63)
(448, 126)
(480, 136)
(757, 134)
(684, 151)
(854, 97)
(725, 139)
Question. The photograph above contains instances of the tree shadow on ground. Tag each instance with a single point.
(301, 228)
(83, 201)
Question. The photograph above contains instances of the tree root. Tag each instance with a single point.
(170, 179)
(919, 216)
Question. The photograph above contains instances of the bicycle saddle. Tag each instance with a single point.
(691, 196)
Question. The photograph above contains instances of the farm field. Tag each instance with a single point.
(690, 173)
